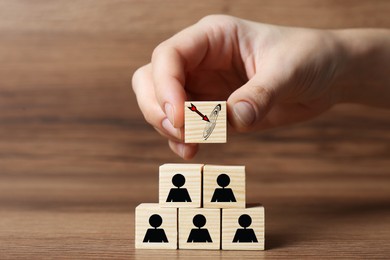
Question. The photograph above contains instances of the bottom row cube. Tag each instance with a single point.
(199, 228)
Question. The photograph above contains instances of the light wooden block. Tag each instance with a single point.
(199, 228)
(155, 227)
(243, 229)
(223, 186)
(180, 185)
(199, 130)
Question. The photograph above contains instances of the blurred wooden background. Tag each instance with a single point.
(76, 156)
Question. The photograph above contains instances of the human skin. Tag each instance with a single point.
(270, 75)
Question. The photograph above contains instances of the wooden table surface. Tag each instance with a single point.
(76, 156)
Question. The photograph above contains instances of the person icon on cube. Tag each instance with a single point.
(178, 194)
(245, 234)
(199, 234)
(155, 234)
(223, 194)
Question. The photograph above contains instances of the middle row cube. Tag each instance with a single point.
(198, 185)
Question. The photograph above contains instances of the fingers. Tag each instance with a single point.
(249, 104)
(144, 90)
(185, 151)
(161, 86)
(170, 62)
(261, 104)
(289, 113)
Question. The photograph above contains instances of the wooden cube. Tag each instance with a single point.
(243, 229)
(223, 186)
(155, 227)
(180, 185)
(205, 122)
(199, 228)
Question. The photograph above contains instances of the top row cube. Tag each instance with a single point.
(194, 185)
(205, 122)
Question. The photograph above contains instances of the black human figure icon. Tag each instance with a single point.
(155, 234)
(199, 234)
(245, 235)
(223, 194)
(178, 194)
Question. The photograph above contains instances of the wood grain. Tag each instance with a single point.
(169, 227)
(196, 130)
(237, 184)
(230, 225)
(192, 174)
(76, 156)
(212, 225)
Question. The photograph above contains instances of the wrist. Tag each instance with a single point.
(364, 75)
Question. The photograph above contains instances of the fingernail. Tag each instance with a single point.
(245, 113)
(166, 124)
(181, 150)
(177, 148)
(169, 112)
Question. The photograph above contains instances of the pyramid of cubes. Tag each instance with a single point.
(200, 207)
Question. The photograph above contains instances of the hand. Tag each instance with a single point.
(269, 75)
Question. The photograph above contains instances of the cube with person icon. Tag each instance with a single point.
(243, 229)
(223, 186)
(156, 227)
(199, 228)
(180, 185)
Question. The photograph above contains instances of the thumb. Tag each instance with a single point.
(250, 103)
